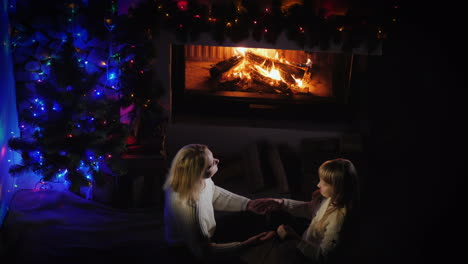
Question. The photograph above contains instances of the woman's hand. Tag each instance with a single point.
(264, 205)
(285, 231)
(257, 239)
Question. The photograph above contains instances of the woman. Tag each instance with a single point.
(332, 211)
(192, 197)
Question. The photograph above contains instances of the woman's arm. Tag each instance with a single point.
(224, 200)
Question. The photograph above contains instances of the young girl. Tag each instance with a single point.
(192, 197)
(332, 210)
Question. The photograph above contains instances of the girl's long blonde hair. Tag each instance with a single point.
(342, 176)
(187, 169)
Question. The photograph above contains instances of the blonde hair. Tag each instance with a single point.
(342, 176)
(187, 169)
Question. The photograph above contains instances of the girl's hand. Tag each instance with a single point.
(285, 231)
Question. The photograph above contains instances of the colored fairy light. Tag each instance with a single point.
(62, 174)
(182, 5)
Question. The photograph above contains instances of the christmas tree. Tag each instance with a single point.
(77, 128)
(67, 83)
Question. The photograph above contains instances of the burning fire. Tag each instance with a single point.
(265, 67)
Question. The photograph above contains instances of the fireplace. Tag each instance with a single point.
(220, 82)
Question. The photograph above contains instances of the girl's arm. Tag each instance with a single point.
(301, 208)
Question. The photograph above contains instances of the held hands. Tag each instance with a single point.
(264, 205)
(285, 231)
(257, 239)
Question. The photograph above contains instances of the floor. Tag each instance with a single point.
(60, 227)
(54, 226)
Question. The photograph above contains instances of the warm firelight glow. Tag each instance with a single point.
(258, 72)
(262, 61)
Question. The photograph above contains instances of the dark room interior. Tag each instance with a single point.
(382, 107)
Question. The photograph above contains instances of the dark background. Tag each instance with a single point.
(409, 184)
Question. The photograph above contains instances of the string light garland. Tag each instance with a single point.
(309, 23)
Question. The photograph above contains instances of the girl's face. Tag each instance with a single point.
(326, 190)
(213, 164)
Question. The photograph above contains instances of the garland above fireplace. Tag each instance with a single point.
(310, 24)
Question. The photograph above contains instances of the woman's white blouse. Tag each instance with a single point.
(193, 224)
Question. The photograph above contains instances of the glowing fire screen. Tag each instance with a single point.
(255, 72)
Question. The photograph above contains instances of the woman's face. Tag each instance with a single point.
(326, 190)
(213, 164)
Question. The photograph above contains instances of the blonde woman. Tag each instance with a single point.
(191, 199)
(331, 211)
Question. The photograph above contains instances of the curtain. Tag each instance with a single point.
(8, 114)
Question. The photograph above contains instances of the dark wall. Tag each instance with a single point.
(408, 184)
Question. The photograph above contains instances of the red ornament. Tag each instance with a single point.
(182, 5)
(131, 140)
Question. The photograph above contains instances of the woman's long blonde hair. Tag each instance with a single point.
(187, 169)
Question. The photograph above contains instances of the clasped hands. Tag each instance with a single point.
(264, 205)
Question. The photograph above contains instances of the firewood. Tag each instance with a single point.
(285, 69)
(274, 85)
(223, 66)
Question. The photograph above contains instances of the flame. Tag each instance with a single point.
(240, 51)
(273, 73)
(243, 69)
